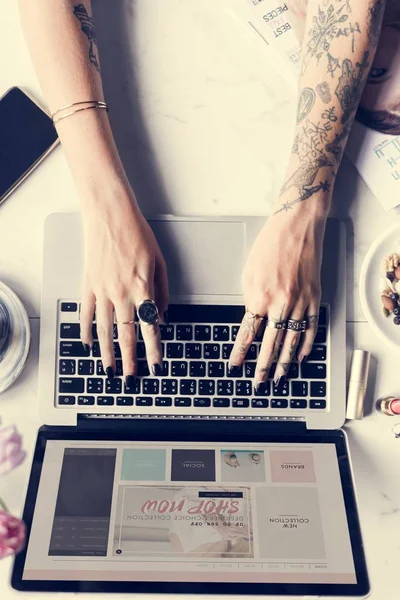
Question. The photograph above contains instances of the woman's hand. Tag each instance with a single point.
(281, 281)
(123, 267)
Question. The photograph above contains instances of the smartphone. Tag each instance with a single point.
(27, 136)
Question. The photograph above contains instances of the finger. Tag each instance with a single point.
(161, 286)
(269, 347)
(311, 331)
(125, 313)
(88, 304)
(247, 332)
(151, 338)
(105, 322)
(289, 345)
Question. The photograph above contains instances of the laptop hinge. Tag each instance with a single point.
(156, 424)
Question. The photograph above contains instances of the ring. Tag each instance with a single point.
(296, 325)
(125, 322)
(276, 324)
(148, 312)
(253, 315)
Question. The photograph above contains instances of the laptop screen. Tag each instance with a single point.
(187, 512)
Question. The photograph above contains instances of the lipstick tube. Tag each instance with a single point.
(357, 384)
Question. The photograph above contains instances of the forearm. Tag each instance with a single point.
(61, 40)
(338, 49)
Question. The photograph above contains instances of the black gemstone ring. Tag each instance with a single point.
(295, 325)
(148, 312)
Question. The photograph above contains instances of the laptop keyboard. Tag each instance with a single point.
(196, 348)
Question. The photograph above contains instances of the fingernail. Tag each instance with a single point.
(86, 347)
(301, 357)
(110, 372)
(260, 386)
(156, 369)
(166, 317)
(277, 379)
(130, 380)
(233, 370)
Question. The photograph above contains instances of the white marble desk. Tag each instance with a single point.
(203, 124)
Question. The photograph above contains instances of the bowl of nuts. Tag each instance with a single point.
(380, 285)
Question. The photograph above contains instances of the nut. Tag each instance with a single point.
(385, 311)
(387, 303)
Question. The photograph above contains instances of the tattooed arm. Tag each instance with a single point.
(282, 275)
(123, 264)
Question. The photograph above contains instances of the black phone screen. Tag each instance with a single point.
(26, 133)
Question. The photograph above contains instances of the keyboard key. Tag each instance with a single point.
(164, 369)
(313, 370)
(317, 403)
(183, 402)
(299, 388)
(221, 333)
(216, 369)
(174, 350)
(322, 315)
(211, 351)
(118, 368)
(234, 332)
(70, 331)
(66, 400)
(318, 389)
(67, 367)
(259, 403)
(249, 369)
(140, 350)
(85, 367)
(197, 369)
(117, 350)
(124, 401)
(251, 353)
(144, 401)
(192, 350)
(99, 368)
(169, 387)
(293, 371)
(69, 306)
(202, 333)
(179, 368)
(142, 368)
(85, 400)
(188, 387)
(206, 387)
(320, 338)
(263, 389)
(272, 370)
(73, 349)
(113, 386)
(298, 404)
(133, 388)
(105, 400)
(226, 351)
(244, 388)
(73, 385)
(279, 403)
(167, 332)
(96, 349)
(318, 352)
(163, 402)
(282, 389)
(221, 402)
(235, 371)
(184, 332)
(94, 386)
(151, 386)
(202, 402)
(240, 403)
(225, 387)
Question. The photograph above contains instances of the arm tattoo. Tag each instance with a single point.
(87, 27)
(306, 102)
(324, 92)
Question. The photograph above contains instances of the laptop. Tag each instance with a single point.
(191, 482)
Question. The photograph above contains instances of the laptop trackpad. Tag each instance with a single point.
(203, 257)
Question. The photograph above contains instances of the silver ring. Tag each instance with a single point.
(147, 312)
(276, 324)
(296, 325)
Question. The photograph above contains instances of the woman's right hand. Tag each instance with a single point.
(123, 267)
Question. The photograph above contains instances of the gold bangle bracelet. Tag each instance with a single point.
(97, 102)
(78, 110)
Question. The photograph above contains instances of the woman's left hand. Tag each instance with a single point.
(281, 281)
